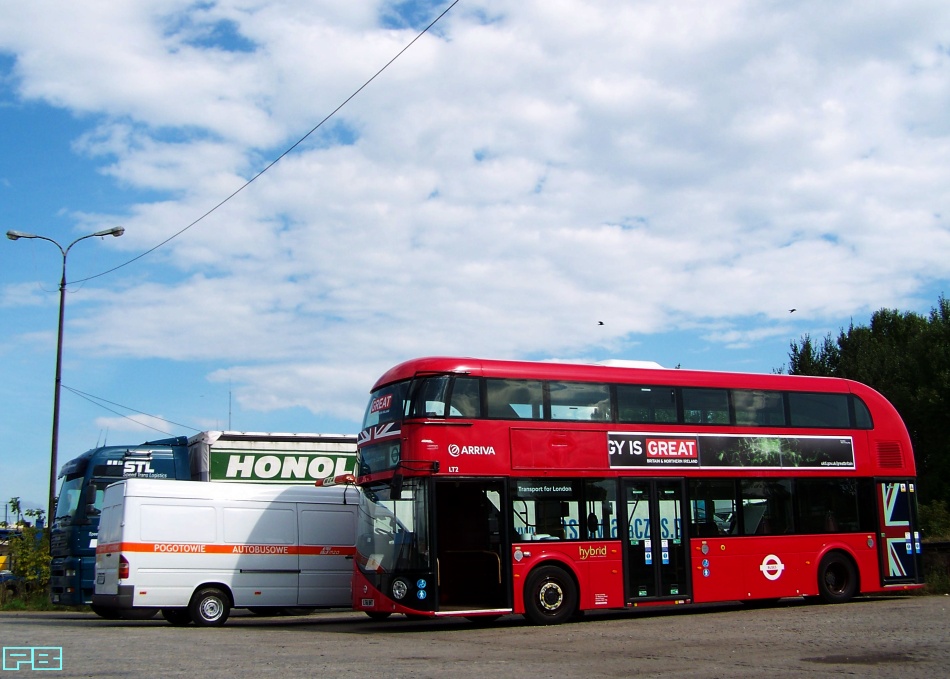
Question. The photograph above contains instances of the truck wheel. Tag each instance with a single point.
(550, 596)
(209, 607)
(837, 579)
(177, 616)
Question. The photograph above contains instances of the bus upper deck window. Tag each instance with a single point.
(428, 397)
(466, 398)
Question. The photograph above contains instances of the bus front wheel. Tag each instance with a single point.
(837, 579)
(550, 596)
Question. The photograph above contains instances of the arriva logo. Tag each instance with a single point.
(456, 450)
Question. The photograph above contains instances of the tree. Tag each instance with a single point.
(906, 357)
(29, 549)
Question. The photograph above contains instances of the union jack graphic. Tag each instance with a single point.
(899, 541)
(382, 431)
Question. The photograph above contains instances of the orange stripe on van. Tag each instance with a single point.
(202, 548)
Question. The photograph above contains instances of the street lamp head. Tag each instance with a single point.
(114, 231)
(14, 235)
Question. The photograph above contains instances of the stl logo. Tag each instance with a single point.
(32, 657)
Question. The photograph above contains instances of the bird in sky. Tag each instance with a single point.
(791, 311)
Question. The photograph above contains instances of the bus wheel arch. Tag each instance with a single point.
(551, 595)
(210, 605)
(837, 577)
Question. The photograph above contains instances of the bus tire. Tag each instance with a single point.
(378, 615)
(550, 596)
(209, 607)
(179, 617)
(837, 578)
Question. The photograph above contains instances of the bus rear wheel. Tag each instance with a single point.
(550, 596)
(837, 579)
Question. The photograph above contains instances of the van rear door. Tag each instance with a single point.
(110, 540)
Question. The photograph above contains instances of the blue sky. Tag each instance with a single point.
(685, 173)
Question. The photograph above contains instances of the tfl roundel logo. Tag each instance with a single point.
(772, 567)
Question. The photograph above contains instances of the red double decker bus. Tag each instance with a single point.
(549, 489)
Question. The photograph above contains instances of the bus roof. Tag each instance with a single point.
(612, 372)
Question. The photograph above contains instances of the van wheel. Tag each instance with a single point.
(837, 579)
(550, 596)
(177, 616)
(209, 607)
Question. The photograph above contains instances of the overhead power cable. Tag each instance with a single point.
(281, 156)
(97, 400)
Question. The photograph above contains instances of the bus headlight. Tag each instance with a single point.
(400, 589)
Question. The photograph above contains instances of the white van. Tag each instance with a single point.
(195, 550)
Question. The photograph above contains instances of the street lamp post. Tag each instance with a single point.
(54, 446)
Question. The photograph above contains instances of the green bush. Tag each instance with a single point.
(935, 520)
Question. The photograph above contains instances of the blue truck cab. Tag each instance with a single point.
(74, 530)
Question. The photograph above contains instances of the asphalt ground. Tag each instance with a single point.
(873, 637)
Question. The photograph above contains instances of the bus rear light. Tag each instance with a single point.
(123, 568)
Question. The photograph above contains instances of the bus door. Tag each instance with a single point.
(470, 530)
(899, 534)
(656, 546)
